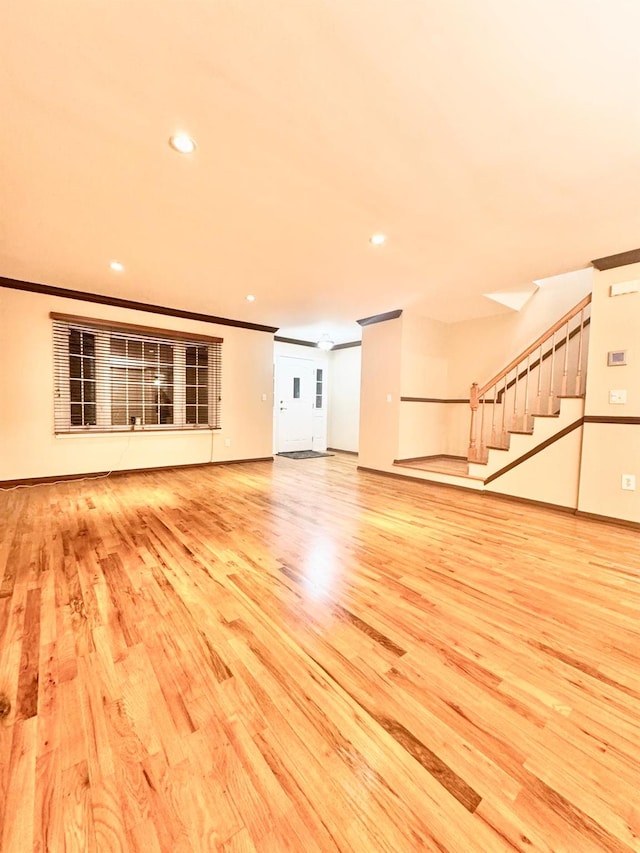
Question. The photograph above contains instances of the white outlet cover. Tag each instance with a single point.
(629, 482)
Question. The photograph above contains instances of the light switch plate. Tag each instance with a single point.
(618, 397)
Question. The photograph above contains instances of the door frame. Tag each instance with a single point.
(318, 360)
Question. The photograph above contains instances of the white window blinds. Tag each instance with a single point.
(114, 377)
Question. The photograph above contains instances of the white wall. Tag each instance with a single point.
(380, 394)
(344, 399)
(424, 372)
(425, 357)
(550, 476)
(422, 430)
(28, 446)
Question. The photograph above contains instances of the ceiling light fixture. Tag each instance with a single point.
(377, 239)
(182, 143)
(250, 297)
(325, 343)
(116, 266)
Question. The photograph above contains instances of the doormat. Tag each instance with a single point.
(303, 454)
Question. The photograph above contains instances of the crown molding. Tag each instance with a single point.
(100, 299)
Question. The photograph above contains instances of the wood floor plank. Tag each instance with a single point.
(48, 818)
(304, 657)
(18, 825)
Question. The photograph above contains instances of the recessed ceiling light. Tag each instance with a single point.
(116, 266)
(182, 143)
(377, 239)
(250, 298)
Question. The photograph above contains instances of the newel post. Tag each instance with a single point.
(473, 402)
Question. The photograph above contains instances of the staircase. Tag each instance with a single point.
(534, 407)
(536, 396)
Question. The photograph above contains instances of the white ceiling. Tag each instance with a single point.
(494, 141)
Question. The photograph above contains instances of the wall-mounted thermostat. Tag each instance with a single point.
(616, 357)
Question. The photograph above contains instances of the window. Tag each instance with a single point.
(115, 377)
(197, 384)
(319, 388)
(82, 378)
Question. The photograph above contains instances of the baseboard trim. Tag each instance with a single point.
(339, 450)
(232, 461)
(568, 510)
(608, 519)
(94, 475)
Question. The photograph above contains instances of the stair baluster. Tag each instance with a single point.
(525, 418)
(565, 369)
(579, 371)
(504, 438)
(473, 402)
(539, 394)
(482, 441)
(550, 403)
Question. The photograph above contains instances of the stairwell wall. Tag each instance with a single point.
(481, 348)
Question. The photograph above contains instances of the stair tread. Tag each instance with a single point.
(536, 415)
(520, 431)
(570, 397)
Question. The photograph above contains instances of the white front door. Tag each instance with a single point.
(295, 395)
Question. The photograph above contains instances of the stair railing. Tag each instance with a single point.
(552, 367)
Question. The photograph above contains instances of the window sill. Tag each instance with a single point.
(129, 432)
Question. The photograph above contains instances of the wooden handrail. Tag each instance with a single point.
(545, 356)
(540, 340)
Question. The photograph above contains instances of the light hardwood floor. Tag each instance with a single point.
(301, 657)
